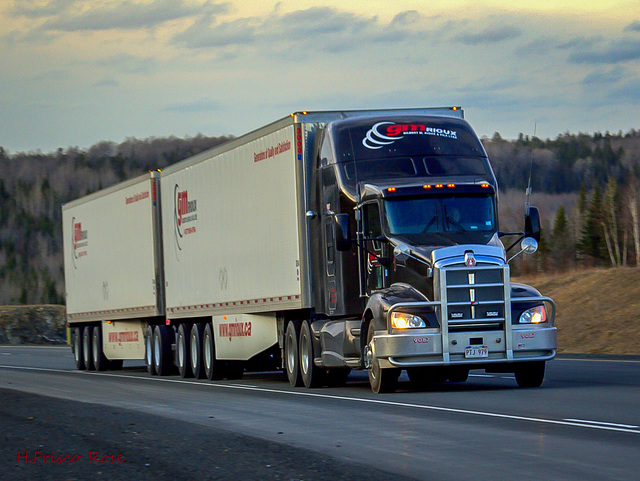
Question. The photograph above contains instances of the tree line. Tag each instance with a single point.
(587, 187)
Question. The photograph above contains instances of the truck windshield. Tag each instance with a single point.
(457, 219)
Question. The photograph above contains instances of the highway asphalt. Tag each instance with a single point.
(582, 424)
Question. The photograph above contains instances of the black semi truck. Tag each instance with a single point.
(330, 241)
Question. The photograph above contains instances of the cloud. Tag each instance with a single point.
(202, 105)
(336, 30)
(490, 35)
(33, 9)
(127, 63)
(604, 77)
(203, 33)
(633, 26)
(614, 52)
(129, 15)
(106, 83)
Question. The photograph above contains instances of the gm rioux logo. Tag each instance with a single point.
(79, 240)
(386, 133)
(185, 212)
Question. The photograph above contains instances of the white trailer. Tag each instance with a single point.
(113, 269)
(232, 240)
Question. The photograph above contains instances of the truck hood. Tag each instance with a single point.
(448, 248)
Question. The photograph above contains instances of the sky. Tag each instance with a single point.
(77, 72)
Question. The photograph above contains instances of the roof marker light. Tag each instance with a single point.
(439, 186)
(484, 186)
(451, 186)
(391, 189)
(426, 186)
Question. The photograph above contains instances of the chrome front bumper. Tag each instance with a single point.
(424, 348)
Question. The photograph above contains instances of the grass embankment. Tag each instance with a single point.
(598, 310)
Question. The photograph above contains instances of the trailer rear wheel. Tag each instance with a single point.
(87, 332)
(195, 350)
(100, 361)
(214, 369)
(381, 380)
(149, 350)
(530, 374)
(77, 348)
(183, 351)
(312, 375)
(162, 350)
(291, 359)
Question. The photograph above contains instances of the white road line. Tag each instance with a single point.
(59, 346)
(597, 360)
(580, 424)
(600, 423)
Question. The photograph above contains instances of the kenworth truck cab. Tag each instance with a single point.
(410, 269)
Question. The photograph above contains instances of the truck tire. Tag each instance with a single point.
(530, 374)
(195, 351)
(148, 350)
(291, 358)
(381, 380)
(77, 348)
(312, 375)
(162, 350)
(213, 369)
(183, 351)
(87, 332)
(100, 361)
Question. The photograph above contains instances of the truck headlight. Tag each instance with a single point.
(400, 320)
(535, 315)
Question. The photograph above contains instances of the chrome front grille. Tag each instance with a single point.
(474, 297)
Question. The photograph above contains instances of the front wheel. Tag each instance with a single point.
(381, 380)
(530, 374)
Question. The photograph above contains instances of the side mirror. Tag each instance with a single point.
(402, 252)
(529, 245)
(343, 243)
(532, 224)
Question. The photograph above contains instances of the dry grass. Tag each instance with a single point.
(598, 310)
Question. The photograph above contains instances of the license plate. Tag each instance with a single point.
(472, 352)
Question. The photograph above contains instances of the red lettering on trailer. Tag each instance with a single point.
(234, 329)
(124, 336)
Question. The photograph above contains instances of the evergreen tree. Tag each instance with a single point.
(562, 251)
(592, 239)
